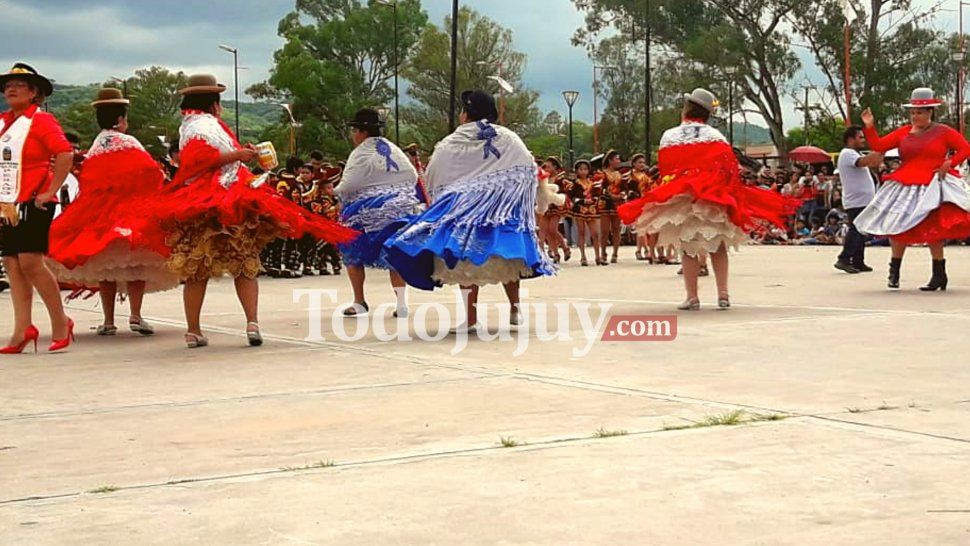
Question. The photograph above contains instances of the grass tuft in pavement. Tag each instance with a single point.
(603, 433)
(508, 441)
(104, 489)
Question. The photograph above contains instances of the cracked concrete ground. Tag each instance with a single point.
(131, 440)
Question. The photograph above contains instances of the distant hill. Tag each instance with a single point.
(253, 116)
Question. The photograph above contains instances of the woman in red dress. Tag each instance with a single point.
(924, 201)
(217, 222)
(104, 238)
(705, 208)
(30, 141)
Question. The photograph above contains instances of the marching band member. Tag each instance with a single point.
(706, 207)
(217, 222)
(614, 195)
(585, 194)
(924, 201)
(30, 140)
(378, 195)
(549, 221)
(105, 238)
(481, 225)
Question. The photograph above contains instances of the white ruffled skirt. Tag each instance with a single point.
(694, 227)
(898, 208)
(119, 263)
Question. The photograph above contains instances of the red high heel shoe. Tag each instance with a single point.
(31, 334)
(59, 344)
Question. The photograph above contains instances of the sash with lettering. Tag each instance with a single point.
(11, 152)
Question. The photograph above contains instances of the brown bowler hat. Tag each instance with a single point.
(109, 95)
(202, 83)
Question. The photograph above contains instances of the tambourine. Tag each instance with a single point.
(9, 214)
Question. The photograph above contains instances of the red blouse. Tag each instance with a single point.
(45, 140)
(922, 154)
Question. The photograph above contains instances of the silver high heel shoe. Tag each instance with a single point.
(254, 337)
(194, 341)
(141, 326)
(690, 305)
(723, 302)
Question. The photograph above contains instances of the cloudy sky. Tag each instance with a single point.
(86, 41)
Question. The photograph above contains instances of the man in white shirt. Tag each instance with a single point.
(858, 189)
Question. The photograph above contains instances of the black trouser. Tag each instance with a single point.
(854, 247)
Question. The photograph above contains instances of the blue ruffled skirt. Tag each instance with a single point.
(480, 231)
(378, 218)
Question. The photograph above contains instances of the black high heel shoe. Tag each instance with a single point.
(894, 265)
(939, 279)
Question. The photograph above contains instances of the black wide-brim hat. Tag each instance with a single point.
(366, 118)
(21, 71)
(479, 104)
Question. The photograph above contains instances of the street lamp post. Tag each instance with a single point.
(503, 87)
(731, 72)
(124, 85)
(958, 56)
(235, 70)
(397, 65)
(596, 136)
(293, 127)
(454, 66)
(571, 98)
(383, 112)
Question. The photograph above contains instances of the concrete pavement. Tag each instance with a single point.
(821, 409)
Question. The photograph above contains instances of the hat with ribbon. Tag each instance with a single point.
(21, 71)
(703, 98)
(923, 97)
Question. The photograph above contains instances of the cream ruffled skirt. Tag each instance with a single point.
(494, 271)
(118, 263)
(696, 228)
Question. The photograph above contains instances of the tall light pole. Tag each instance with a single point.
(571, 98)
(503, 88)
(124, 84)
(731, 72)
(397, 65)
(235, 85)
(454, 65)
(958, 56)
(648, 84)
(293, 127)
(596, 135)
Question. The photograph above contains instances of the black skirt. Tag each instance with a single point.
(30, 235)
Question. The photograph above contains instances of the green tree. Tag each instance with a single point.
(484, 49)
(154, 109)
(894, 49)
(704, 36)
(338, 57)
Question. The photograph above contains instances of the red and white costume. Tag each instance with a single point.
(107, 234)
(915, 205)
(216, 222)
(705, 204)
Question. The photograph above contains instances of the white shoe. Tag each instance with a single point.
(515, 318)
(401, 313)
(464, 328)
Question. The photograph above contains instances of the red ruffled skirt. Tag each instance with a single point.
(107, 234)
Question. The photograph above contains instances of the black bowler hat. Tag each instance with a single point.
(366, 118)
(479, 105)
(21, 71)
